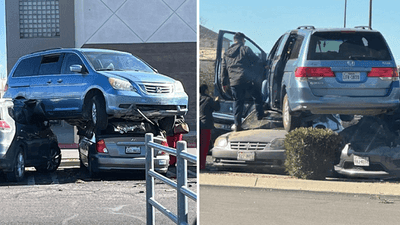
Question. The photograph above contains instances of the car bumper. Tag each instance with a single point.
(379, 167)
(124, 104)
(306, 101)
(105, 162)
(263, 158)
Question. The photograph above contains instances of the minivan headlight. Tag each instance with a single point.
(179, 87)
(121, 84)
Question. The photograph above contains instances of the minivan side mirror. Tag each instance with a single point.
(76, 68)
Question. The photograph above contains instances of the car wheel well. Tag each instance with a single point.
(283, 93)
(89, 95)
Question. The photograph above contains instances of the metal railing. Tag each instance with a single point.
(181, 185)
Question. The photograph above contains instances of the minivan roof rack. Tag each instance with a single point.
(45, 50)
(364, 27)
(306, 27)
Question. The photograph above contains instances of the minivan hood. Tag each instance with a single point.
(138, 76)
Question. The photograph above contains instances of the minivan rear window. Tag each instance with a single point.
(28, 67)
(348, 46)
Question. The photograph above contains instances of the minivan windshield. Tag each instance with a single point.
(348, 45)
(111, 61)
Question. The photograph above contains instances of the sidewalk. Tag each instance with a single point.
(289, 183)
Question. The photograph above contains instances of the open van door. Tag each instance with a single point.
(225, 40)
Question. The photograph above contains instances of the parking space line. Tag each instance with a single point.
(31, 180)
(54, 178)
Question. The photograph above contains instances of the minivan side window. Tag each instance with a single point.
(28, 67)
(69, 60)
(51, 64)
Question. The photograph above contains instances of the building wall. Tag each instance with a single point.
(17, 47)
(161, 32)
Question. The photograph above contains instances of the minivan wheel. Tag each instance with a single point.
(290, 122)
(98, 114)
(53, 161)
(18, 172)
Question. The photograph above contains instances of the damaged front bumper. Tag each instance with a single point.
(153, 106)
(381, 162)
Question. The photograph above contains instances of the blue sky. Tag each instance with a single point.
(3, 70)
(265, 21)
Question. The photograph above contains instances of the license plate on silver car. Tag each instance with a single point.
(132, 150)
(246, 156)
(351, 76)
(361, 160)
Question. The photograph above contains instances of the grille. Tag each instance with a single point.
(248, 145)
(158, 88)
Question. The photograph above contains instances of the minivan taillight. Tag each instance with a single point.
(4, 125)
(5, 87)
(314, 72)
(383, 72)
(101, 147)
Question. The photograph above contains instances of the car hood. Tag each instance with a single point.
(139, 76)
(256, 135)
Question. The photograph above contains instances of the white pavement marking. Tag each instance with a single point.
(31, 180)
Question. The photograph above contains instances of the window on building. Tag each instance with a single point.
(39, 18)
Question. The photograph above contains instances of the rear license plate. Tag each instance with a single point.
(132, 150)
(351, 76)
(361, 161)
(246, 156)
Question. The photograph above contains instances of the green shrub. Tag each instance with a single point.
(310, 152)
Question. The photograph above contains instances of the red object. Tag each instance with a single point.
(205, 137)
(314, 72)
(4, 125)
(172, 140)
(383, 72)
(100, 146)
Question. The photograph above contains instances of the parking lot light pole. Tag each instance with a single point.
(370, 14)
(345, 9)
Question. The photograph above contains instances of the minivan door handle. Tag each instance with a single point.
(59, 80)
(49, 82)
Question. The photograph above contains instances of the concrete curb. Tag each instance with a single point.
(69, 162)
(288, 183)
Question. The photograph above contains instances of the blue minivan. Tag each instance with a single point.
(81, 85)
(315, 71)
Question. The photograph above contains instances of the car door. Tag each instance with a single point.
(42, 88)
(283, 62)
(275, 65)
(69, 87)
(225, 40)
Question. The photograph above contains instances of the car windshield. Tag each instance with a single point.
(110, 61)
(348, 45)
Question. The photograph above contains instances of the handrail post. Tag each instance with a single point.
(181, 181)
(151, 220)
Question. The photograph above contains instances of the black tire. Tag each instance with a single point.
(53, 161)
(290, 122)
(97, 112)
(18, 172)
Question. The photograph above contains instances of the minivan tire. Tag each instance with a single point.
(98, 114)
(18, 171)
(290, 122)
